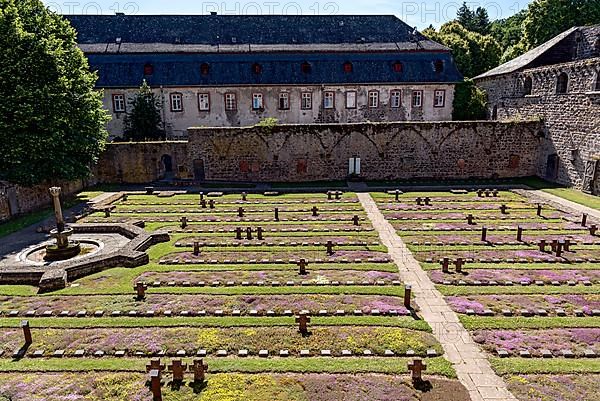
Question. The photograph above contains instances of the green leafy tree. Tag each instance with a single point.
(143, 121)
(52, 123)
(508, 33)
(474, 53)
(466, 17)
(481, 23)
(470, 102)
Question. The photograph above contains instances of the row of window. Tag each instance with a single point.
(305, 67)
(306, 100)
(562, 84)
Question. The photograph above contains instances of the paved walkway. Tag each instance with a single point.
(470, 363)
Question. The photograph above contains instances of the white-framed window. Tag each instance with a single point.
(284, 101)
(439, 98)
(257, 101)
(373, 99)
(417, 99)
(351, 99)
(118, 103)
(306, 103)
(328, 100)
(395, 99)
(204, 102)
(176, 102)
(230, 102)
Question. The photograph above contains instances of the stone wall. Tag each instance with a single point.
(17, 200)
(142, 162)
(571, 148)
(386, 151)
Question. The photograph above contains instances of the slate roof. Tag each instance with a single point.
(176, 46)
(212, 30)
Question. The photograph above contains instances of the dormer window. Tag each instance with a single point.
(148, 69)
(348, 67)
(397, 67)
(527, 86)
(204, 69)
(257, 68)
(438, 66)
(306, 67)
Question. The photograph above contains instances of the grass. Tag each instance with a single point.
(17, 290)
(517, 289)
(435, 366)
(505, 366)
(125, 322)
(520, 322)
(570, 194)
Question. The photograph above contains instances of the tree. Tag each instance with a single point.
(143, 121)
(52, 123)
(470, 102)
(474, 53)
(481, 21)
(508, 33)
(466, 17)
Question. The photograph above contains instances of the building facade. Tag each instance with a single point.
(229, 71)
(559, 82)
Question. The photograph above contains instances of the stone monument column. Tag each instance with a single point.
(60, 222)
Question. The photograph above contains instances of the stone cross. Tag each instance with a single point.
(567, 245)
(26, 332)
(60, 221)
(303, 321)
(458, 265)
(241, 212)
(196, 248)
(249, 233)
(356, 220)
(428, 201)
(125, 197)
(201, 196)
(244, 196)
(495, 193)
(276, 214)
(554, 245)
(107, 212)
(407, 291)
(542, 244)
(178, 368)
(140, 290)
(315, 211)
(445, 263)
(302, 267)
(470, 219)
(259, 233)
(480, 193)
(238, 233)
(418, 201)
(203, 203)
(329, 246)
(559, 249)
(199, 368)
(149, 190)
(593, 229)
(484, 234)
(503, 208)
(338, 195)
(539, 210)
(584, 220)
(487, 193)
(417, 367)
(397, 194)
(211, 203)
(519, 233)
(184, 222)
(155, 385)
(329, 195)
(155, 365)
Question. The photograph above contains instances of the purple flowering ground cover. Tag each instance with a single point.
(555, 387)
(490, 253)
(516, 276)
(554, 340)
(225, 387)
(338, 255)
(152, 340)
(312, 276)
(189, 302)
(568, 302)
(532, 237)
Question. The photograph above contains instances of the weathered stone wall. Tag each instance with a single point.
(17, 200)
(176, 123)
(386, 151)
(571, 120)
(142, 162)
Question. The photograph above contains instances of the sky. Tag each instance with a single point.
(416, 13)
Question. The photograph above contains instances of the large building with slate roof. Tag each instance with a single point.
(212, 70)
(558, 82)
